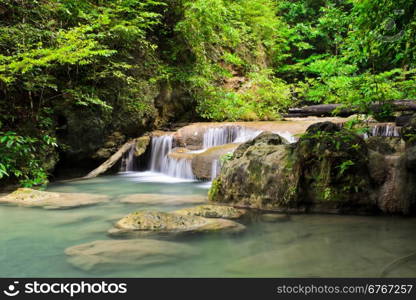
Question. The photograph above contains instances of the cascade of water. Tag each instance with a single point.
(217, 136)
(179, 168)
(385, 130)
(161, 162)
(127, 162)
(161, 146)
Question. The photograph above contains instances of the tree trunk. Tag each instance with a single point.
(327, 110)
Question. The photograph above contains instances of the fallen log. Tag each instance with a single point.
(327, 110)
(109, 163)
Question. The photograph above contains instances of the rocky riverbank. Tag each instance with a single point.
(330, 170)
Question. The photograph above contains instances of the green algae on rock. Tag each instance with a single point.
(213, 211)
(49, 200)
(153, 222)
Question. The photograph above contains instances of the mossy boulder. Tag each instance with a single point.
(144, 223)
(213, 211)
(33, 198)
(259, 175)
(325, 171)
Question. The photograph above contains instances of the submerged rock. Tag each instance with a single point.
(213, 211)
(161, 199)
(110, 255)
(152, 222)
(50, 200)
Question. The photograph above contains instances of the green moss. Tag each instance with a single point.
(215, 188)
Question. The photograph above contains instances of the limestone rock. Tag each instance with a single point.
(143, 223)
(213, 211)
(202, 162)
(110, 255)
(325, 171)
(50, 200)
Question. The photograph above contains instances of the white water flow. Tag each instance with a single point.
(127, 162)
(385, 130)
(217, 136)
(161, 162)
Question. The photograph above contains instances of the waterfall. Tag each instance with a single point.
(161, 146)
(180, 168)
(385, 130)
(127, 162)
(216, 136)
(161, 162)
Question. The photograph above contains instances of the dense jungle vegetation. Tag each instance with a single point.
(74, 71)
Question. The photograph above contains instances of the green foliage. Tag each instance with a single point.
(18, 158)
(231, 41)
(57, 55)
(236, 60)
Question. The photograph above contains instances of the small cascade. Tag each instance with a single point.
(179, 168)
(217, 136)
(161, 162)
(215, 168)
(127, 162)
(287, 136)
(161, 146)
(385, 130)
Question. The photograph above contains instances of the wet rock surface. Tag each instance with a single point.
(213, 211)
(49, 200)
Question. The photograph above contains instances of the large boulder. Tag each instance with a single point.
(325, 171)
(33, 198)
(144, 223)
(257, 176)
(202, 162)
(110, 255)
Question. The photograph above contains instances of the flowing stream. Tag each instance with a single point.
(33, 240)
